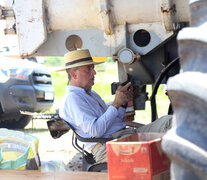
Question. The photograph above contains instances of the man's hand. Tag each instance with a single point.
(124, 94)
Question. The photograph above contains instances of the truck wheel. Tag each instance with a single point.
(16, 124)
(23, 122)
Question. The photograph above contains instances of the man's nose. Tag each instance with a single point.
(93, 71)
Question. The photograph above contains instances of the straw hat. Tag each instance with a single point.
(78, 58)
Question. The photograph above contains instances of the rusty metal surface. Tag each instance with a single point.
(168, 10)
(4, 13)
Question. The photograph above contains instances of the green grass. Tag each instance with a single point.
(59, 81)
(106, 74)
(54, 61)
(144, 116)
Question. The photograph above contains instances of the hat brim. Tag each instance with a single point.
(78, 65)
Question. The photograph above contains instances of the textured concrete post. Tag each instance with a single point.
(186, 142)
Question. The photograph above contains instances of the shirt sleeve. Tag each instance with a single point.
(85, 117)
(121, 113)
(121, 110)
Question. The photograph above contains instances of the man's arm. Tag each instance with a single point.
(89, 117)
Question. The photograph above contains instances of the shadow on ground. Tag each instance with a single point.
(76, 163)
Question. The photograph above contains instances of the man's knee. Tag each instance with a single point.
(165, 123)
(161, 125)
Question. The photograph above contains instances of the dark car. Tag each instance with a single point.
(24, 86)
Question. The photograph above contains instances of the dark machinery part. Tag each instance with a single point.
(140, 95)
(157, 83)
(115, 85)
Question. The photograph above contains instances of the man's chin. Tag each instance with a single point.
(92, 82)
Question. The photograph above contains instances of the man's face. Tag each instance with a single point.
(85, 76)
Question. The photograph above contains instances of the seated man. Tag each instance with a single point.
(86, 111)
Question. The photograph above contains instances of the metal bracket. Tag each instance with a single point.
(6, 12)
(106, 17)
(30, 24)
(167, 10)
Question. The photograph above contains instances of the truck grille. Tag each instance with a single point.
(42, 78)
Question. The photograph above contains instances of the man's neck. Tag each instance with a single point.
(77, 85)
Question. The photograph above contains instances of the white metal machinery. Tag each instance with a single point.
(104, 26)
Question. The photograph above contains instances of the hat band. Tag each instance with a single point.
(78, 61)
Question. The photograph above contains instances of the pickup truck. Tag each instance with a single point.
(24, 86)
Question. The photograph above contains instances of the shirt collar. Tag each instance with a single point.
(77, 89)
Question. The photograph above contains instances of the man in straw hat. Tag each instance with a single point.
(84, 109)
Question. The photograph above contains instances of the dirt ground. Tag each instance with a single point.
(54, 151)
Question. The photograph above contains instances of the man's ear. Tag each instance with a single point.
(73, 74)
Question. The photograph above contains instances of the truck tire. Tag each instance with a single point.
(185, 143)
(21, 123)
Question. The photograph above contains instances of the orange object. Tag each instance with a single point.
(130, 113)
(138, 156)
